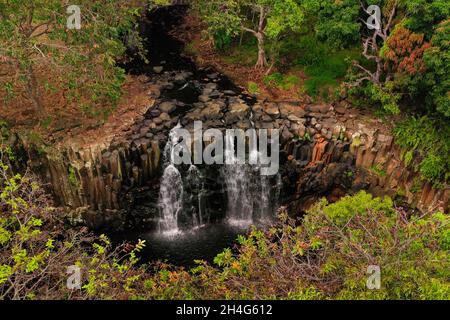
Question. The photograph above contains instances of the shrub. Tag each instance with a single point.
(429, 138)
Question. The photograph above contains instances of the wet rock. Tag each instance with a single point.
(157, 121)
(154, 113)
(158, 69)
(230, 93)
(211, 85)
(204, 98)
(236, 112)
(164, 117)
(212, 76)
(212, 111)
(167, 107)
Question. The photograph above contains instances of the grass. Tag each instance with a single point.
(280, 81)
(323, 66)
(253, 87)
(245, 54)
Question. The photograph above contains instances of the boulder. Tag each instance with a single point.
(236, 112)
(289, 109)
(272, 110)
(204, 98)
(158, 69)
(167, 107)
(319, 108)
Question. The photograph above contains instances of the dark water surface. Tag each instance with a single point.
(203, 243)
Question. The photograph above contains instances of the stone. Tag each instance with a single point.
(211, 85)
(340, 110)
(212, 76)
(215, 94)
(289, 109)
(155, 113)
(313, 121)
(204, 98)
(272, 110)
(294, 118)
(230, 93)
(167, 107)
(164, 117)
(212, 111)
(158, 69)
(286, 135)
(194, 115)
(319, 108)
(236, 112)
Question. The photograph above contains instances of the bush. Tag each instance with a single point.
(36, 249)
(327, 256)
(429, 139)
(324, 256)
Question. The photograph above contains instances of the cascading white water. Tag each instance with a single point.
(195, 184)
(170, 199)
(248, 191)
(250, 195)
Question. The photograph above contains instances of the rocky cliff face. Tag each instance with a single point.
(327, 150)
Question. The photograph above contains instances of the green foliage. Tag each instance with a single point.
(245, 54)
(335, 21)
(222, 40)
(428, 138)
(328, 254)
(281, 81)
(423, 15)
(326, 74)
(253, 87)
(437, 60)
(263, 19)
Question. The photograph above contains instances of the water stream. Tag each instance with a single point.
(200, 209)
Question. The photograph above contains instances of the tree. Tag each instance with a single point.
(334, 21)
(262, 18)
(38, 51)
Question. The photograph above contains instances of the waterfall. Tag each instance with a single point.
(194, 182)
(249, 193)
(180, 200)
(170, 199)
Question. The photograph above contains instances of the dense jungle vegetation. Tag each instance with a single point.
(53, 79)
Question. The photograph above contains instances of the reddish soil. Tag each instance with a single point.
(66, 121)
